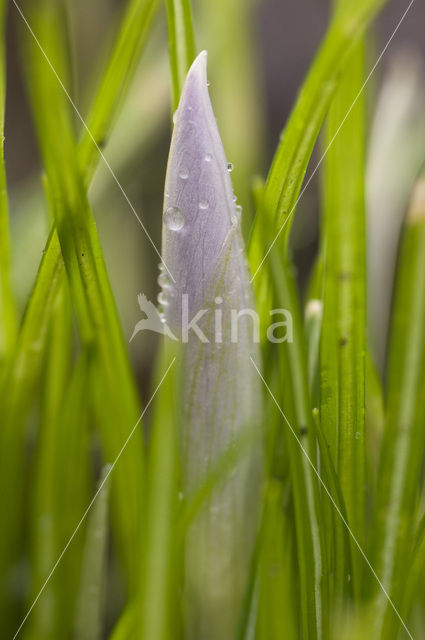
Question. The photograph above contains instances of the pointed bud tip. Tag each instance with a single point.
(195, 86)
(200, 61)
(198, 71)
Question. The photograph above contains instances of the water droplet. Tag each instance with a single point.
(180, 495)
(189, 108)
(218, 300)
(357, 435)
(349, 577)
(208, 157)
(163, 279)
(173, 219)
(162, 317)
(162, 298)
(235, 198)
(203, 204)
(230, 167)
(184, 174)
(208, 83)
(161, 266)
(239, 210)
(175, 116)
(234, 220)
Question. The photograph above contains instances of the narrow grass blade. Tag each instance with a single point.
(45, 522)
(132, 35)
(61, 485)
(90, 605)
(22, 373)
(277, 603)
(343, 341)
(295, 398)
(125, 628)
(299, 136)
(404, 437)
(158, 590)
(181, 42)
(279, 201)
(416, 573)
(16, 398)
(86, 270)
(121, 76)
(374, 421)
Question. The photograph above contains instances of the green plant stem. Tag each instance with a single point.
(277, 617)
(404, 436)
(181, 42)
(159, 542)
(280, 196)
(90, 609)
(87, 272)
(416, 570)
(61, 485)
(300, 134)
(311, 546)
(131, 38)
(15, 401)
(343, 342)
(45, 524)
(25, 365)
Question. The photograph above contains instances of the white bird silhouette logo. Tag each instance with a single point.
(153, 321)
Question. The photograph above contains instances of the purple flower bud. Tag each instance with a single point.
(204, 252)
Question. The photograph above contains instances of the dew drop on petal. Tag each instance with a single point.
(230, 167)
(208, 157)
(163, 279)
(173, 219)
(203, 204)
(184, 174)
(239, 210)
(162, 298)
(175, 116)
(357, 435)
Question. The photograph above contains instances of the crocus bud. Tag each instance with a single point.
(209, 305)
